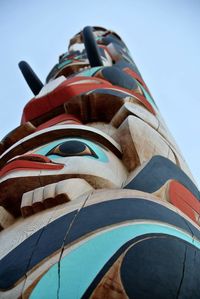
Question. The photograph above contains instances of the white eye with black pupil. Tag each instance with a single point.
(72, 148)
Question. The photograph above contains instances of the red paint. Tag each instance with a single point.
(184, 207)
(177, 189)
(68, 89)
(33, 157)
(137, 77)
(18, 165)
(139, 97)
(183, 199)
(64, 92)
(64, 118)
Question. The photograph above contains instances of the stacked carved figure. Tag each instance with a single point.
(96, 200)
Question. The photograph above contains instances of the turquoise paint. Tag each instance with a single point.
(97, 149)
(147, 96)
(65, 55)
(64, 63)
(81, 265)
(90, 72)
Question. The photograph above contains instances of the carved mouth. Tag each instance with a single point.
(54, 194)
(14, 198)
(27, 174)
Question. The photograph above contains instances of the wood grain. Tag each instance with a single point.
(140, 142)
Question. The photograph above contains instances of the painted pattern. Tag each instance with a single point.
(96, 200)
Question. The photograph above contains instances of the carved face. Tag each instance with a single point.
(67, 159)
(86, 159)
(95, 125)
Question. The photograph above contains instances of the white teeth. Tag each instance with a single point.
(49, 196)
(49, 191)
(26, 204)
(73, 188)
(37, 202)
(52, 195)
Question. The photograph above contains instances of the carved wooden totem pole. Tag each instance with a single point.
(96, 200)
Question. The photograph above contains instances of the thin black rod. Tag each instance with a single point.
(91, 47)
(31, 78)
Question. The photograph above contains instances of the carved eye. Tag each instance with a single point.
(72, 148)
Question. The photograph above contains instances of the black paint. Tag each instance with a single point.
(91, 47)
(155, 268)
(117, 77)
(31, 78)
(122, 63)
(49, 239)
(33, 250)
(156, 173)
(72, 148)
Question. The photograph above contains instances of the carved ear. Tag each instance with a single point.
(91, 47)
(140, 142)
(31, 78)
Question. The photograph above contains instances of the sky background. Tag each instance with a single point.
(162, 36)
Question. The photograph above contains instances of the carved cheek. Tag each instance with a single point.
(113, 171)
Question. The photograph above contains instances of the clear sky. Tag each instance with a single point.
(163, 37)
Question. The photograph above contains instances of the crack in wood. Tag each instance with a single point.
(64, 240)
(182, 276)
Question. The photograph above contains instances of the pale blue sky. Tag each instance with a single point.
(163, 37)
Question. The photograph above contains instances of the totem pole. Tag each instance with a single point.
(96, 200)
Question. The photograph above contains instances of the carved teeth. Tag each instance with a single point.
(49, 195)
(37, 200)
(72, 187)
(26, 204)
(52, 195)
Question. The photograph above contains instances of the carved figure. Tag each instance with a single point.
(96, 200)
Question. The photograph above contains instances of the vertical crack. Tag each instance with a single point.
(33, 251)
(64, 240)
(182, 276)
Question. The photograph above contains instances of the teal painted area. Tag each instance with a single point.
(65, 55)
(50, 289)
(60, 66)
(147, 96)
(90, 72)
(97, 149)
(80, 266)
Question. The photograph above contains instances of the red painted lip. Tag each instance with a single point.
(18, 165)
(61, 94)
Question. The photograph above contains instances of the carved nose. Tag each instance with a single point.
(32, 161)
(34, 157)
